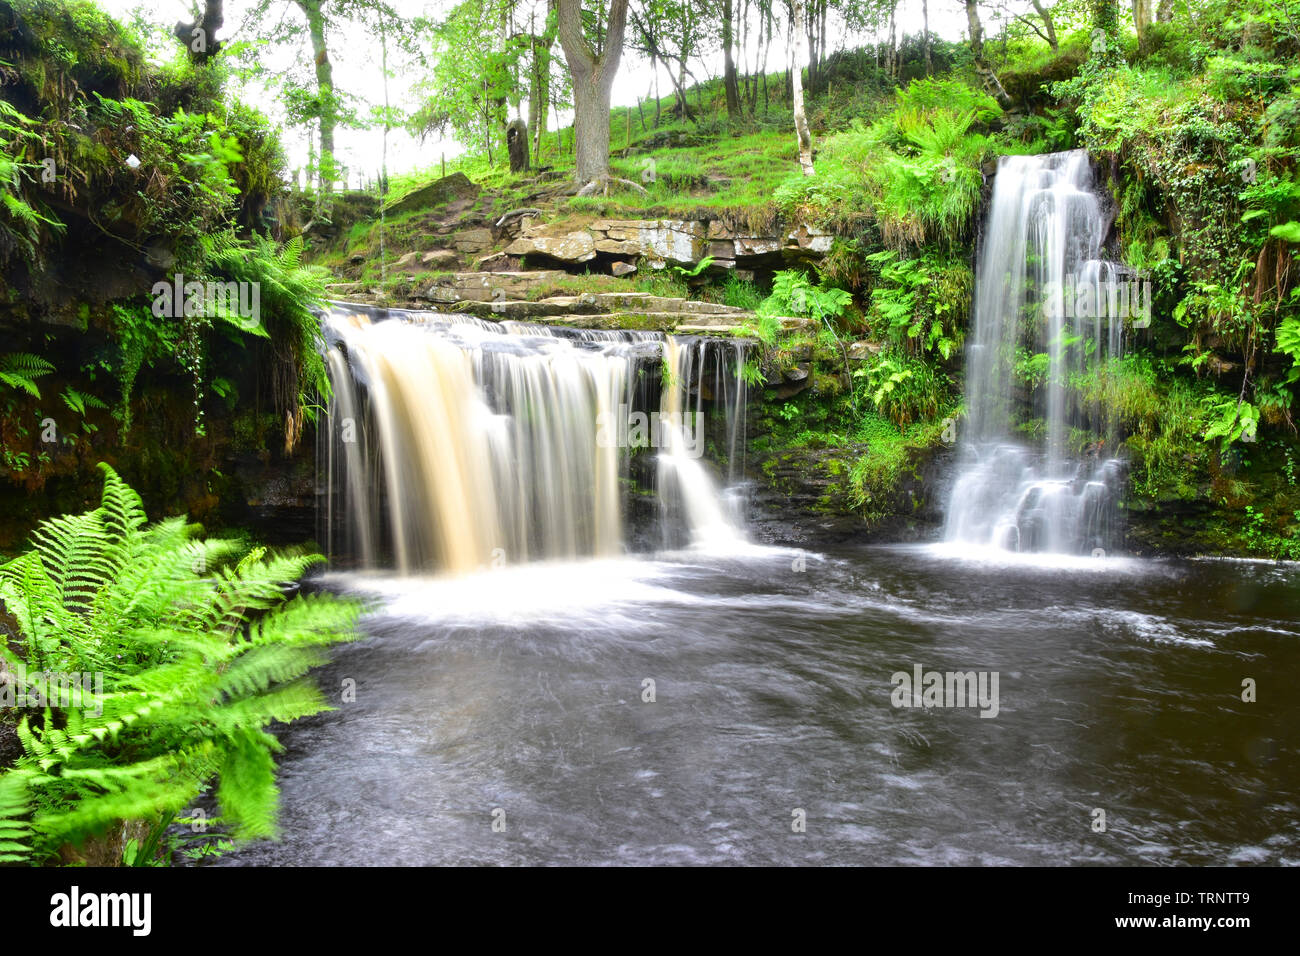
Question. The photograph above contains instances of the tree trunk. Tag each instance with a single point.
(199, 36)
(810, 29)
(729, 63)
(328, 108)
(821, 68)
(593, 78)
(1165, 11)
(517, 145)
(1048, 25)
(1105, 16)
(1105, 31)
(925, 34)
(800, 53)
(1142, 21)
(891, 62)
(975, 30)
(654, 65)
(539, 95)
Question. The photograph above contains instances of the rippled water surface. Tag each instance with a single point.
(521, 689)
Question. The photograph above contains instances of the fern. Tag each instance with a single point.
(20, 370)
(15, 831)
(80, 401)
(198, 656)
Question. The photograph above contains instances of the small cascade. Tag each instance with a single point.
(1048, 308)
(455, 443)
(685, 485)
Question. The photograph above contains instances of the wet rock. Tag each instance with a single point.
(864, 350)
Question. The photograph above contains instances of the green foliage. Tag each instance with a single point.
(793, 293)
(1031, 368)
(1232, 421)
(22, 223)
(472, 81)
(289, 291)
(902, 389)
(198, 652)
(766, 328)
(184, 186)
(21, 369)
(916, 170)
(741, 294)
(921, 302)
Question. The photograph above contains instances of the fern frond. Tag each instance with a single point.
(15, 806)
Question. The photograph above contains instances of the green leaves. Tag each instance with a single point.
(196, 656)
(21, 369)
(15, 831)
(1288, 338)
(1289, 231)
(793, 293)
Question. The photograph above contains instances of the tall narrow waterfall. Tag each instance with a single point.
(454, 443)
(1047, 308)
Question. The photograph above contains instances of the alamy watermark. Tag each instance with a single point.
(62, 689)
(628, 429)
(1129, 298)
(922, 688)
(178, 298)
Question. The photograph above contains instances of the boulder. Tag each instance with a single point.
(472, 241)
(863, 351)
(439, 259)
(577, 246)
(437, 193)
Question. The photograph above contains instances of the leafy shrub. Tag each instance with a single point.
(741, 294)
(921, 303)
(903, 390)
(198, 656)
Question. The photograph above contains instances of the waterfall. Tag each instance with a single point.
(454, 443)
(1048, 307)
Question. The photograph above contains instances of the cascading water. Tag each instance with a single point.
(454, 443)
(1048, 307)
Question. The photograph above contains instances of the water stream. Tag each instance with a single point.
(521, 690)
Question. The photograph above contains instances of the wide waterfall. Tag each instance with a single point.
(1048, 309)
(454, 444)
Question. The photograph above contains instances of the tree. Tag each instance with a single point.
(470, 86)
(925, 35)
(322, 103)
(1049, 26)
(539, 74)
(1105, 31)
(729, 79)
(671, 32)
(199, 36)
(799, 52)
(328, 111)
(976, 31)
(593, 67)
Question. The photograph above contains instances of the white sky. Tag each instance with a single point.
(356, 60)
